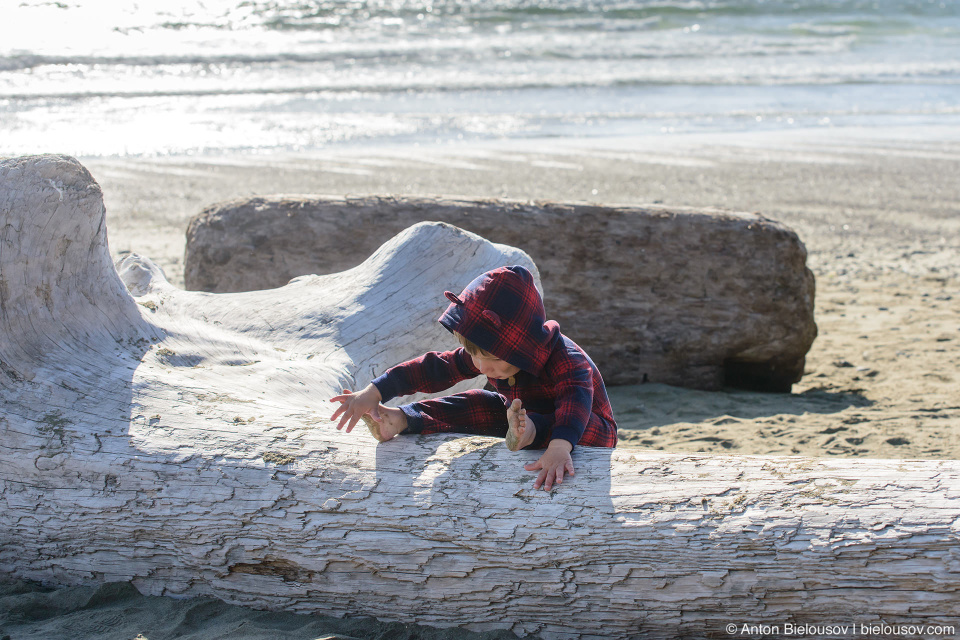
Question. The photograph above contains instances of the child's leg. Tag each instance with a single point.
(597, 433)
(476, 412)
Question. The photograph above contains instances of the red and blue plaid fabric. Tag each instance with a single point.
(476, 411)
(569, 398)
(502, 312)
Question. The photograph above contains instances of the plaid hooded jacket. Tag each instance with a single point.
(502, 312)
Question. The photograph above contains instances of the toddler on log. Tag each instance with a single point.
(549, 393)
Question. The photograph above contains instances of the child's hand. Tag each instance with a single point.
(552, 464)
(353, 406)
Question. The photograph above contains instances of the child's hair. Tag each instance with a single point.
(473, 349)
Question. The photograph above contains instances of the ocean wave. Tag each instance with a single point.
(28, 61)
(251, 33)
(469, 51)
(946, 75)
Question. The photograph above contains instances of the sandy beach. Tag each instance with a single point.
(877, 213)
(880, 217)
(840, 120)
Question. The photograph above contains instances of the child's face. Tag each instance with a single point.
(494, 367)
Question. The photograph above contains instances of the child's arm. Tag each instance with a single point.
(431, 372)
(573, 402)
(573, 384)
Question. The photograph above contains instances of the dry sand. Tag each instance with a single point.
(879, 215)
(878, 212)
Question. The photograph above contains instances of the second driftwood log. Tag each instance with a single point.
(693, 298)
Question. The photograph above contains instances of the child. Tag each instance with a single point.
(501, 323)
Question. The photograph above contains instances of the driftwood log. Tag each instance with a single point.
(694, 298)
(178, 440)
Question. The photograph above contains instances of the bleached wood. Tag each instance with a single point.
(178, 440)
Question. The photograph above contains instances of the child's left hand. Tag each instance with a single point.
(552, 464)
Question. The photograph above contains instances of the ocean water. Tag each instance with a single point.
(157, 77)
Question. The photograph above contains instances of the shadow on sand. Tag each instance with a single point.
(645, 406)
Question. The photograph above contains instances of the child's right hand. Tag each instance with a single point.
(353, 406)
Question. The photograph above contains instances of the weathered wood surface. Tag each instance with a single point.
(178, 440)
(694, 298)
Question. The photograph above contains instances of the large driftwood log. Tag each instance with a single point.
(695, 298)
(178, 440)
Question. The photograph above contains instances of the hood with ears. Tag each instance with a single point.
(502, 312)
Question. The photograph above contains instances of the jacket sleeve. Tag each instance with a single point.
(431, 372)
(573, 388)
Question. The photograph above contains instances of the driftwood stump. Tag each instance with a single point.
(693, 298)
(178, 440)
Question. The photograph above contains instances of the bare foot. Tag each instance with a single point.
(392, 422)
(521, 430)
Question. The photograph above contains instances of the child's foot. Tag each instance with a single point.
(521, 431)
(392, 422)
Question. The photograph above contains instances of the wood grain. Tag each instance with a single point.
(178, 440)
